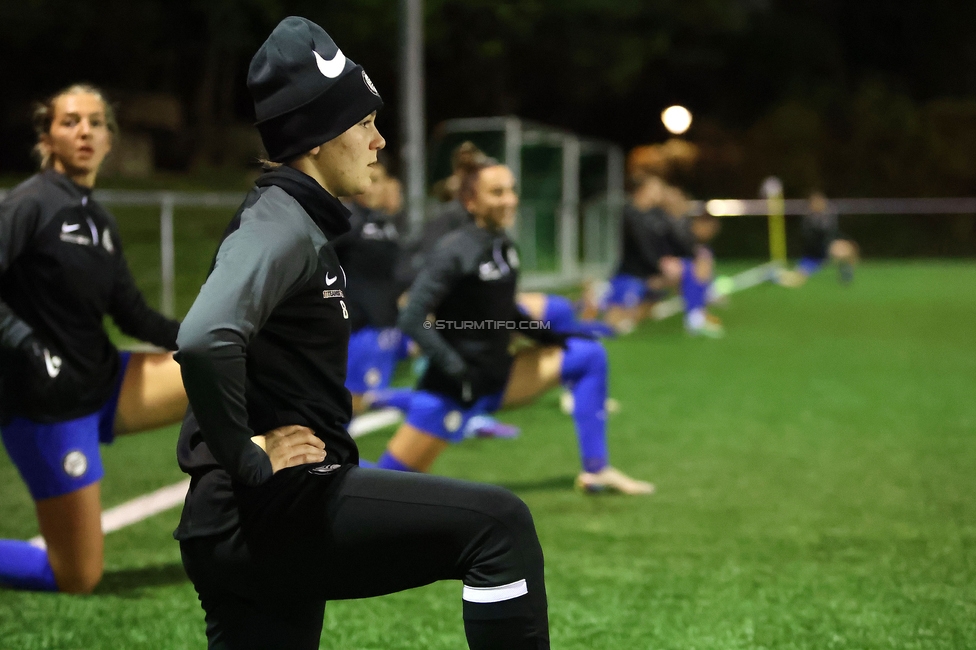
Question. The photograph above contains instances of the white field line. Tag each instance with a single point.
(744, 280)
(171, 496)
(373, 421)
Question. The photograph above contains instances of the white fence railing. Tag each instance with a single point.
(758, 207)
(168, 202)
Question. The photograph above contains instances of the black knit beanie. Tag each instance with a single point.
(305, 91)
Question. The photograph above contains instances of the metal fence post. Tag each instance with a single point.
(616, 199)
(569, 212)
(412, 110)
(167, 254)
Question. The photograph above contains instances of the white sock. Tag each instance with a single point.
(695, 319)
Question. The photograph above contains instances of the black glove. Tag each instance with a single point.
(43, 365)
(468, 379)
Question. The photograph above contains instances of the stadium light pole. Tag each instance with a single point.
(412, 112)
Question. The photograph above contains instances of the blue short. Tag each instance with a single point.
(373, 355)
(626, 291)
(810, 265)
(443, 417)
(59, 458)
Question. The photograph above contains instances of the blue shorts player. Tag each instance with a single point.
(660, 252)
(823, 242)
(64, 388)
(369, 254)
(471, 278)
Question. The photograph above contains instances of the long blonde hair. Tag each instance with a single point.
(44, 117)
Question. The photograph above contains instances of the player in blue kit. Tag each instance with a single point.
(662, 251)
(468, 283)
(369, 254)
(555, 309)
(823, 242)
(64, 388)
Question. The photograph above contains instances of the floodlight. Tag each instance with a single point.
(676, 119)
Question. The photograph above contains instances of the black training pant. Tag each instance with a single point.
(306, 538)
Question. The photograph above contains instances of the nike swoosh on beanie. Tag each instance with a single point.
(305, 90)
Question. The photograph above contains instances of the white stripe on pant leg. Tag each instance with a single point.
(494, 594)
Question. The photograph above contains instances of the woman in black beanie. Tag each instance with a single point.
(280, 518)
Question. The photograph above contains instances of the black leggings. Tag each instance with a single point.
(305, 539)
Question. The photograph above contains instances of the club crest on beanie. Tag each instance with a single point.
(305, 90)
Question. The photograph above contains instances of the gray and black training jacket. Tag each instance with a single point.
(264, 346)
(61, 272)
(468, 283)
(649, 235)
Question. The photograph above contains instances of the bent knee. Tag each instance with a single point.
(80, 580)
(704, 268)
(843, 250)
(586, 355)
(672, 268)
(509, 511)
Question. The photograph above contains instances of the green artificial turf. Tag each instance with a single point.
(816, 473)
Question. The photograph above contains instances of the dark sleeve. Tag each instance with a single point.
(439, 275)
(683, 242)
(130, 312)
(18, 224)
(643, 238)
(343, 242)
(256, 268)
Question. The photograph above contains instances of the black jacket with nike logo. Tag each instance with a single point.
(369, 253)
(468, 283)
(61, 271)
(649, 235)
(264, 346)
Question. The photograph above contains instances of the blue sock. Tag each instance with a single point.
(23, 566)
(584, 372)
(367, 464)
(808, 265)
(693, 290)
(388, 461)
(559, 313)
(398, 398)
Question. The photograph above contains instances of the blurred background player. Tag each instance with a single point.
(692, 233)
(822, 242)
(645, 229)
(369, 253)
(63, 386)
(450, 214)
(379, 268)
(661, 249)
(558, 310)
(470, 279)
